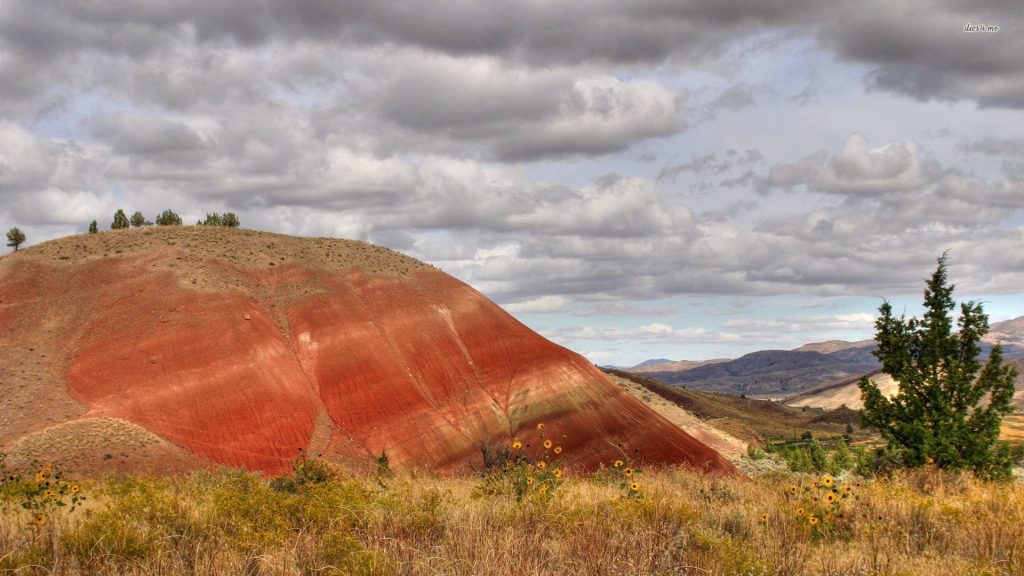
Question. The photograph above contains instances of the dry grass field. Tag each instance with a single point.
(654, 522)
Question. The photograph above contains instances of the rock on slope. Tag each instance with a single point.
(176, 347)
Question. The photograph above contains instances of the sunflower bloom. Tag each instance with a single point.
(541, 465)
(516, 445)
(529, 480)
(558, 473)
(547, 444)
(540, 425)
(800, 511)
(634, 487)
(764, 517)
(558, 449)
(618, 464)
(827, 481)
(74, 488)
(792, 489)
(627, 472)
(40, 519)
(812, 520)
(829, 498)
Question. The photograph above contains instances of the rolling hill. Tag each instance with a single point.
(748, 419)
(790, 373)
(774, 373)
(170, 348)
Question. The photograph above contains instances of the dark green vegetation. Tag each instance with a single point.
(949, 406)
(120, 220)
(138, 220)
(15, 237)
(93, 227)
(228, 220)
(168, 218)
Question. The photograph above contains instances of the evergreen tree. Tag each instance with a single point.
(15, 237)
(228, 220)
(137, 219)
(168, 218)
(120, 220)
(949, 407)
(93, 228)
(842, 458)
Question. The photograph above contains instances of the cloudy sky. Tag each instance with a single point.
(643, 179)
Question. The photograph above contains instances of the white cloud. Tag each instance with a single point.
(543, 304)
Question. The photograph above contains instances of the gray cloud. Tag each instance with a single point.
(424, 126)
(992, 146)
(919, 48)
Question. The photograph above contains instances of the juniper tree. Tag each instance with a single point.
(137, 219)
(120, 220)
(212, 220)
(949, 405)
(168, 218)
(15, 237)
(93, 228)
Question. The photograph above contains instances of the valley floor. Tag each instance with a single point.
(669, 521)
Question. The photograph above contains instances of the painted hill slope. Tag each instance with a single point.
(176, 347)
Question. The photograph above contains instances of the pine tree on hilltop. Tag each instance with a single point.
(228, 220)
(137, 219)
(93, 228)
(949, 406)
(15, 237)
(120, 220)
(168, 218)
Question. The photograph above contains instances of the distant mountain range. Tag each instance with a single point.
(784, 373)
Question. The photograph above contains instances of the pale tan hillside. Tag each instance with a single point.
(728, 445)
(677, 366)
(831, 346)
(845, 393)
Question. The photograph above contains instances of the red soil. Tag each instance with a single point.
(236, 371)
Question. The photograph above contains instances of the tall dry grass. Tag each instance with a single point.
(924, 522)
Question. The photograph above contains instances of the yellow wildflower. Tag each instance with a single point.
(827, 481)
(558, 449)
(542, 464)
(547, 444)
(540, 425)
(618, 464)
(516, 445)
(627, 472)
(635, 486)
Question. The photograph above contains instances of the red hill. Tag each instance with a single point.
(162, 349)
